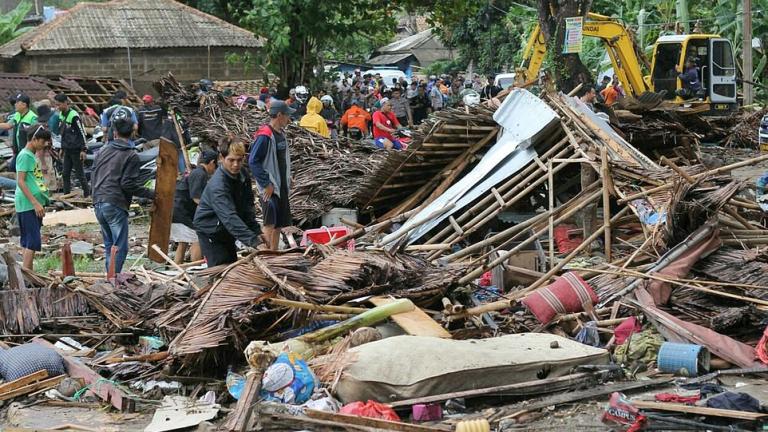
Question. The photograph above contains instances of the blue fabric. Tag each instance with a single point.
(114, 229)
(29, 225)
(395, 144)
(6, 183)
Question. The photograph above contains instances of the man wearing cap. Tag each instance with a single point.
(189, 190)
(226, 212)
(72, 144)
(355, 121)
(21, 119)
(270, 163)
(150, 117)
(384, 125)
(115, 181)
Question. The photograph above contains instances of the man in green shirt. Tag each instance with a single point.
(31, 192)
(21, 119)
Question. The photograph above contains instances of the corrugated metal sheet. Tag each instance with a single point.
(408, 43)
(524, 118)
(134, 23)
(388, 59)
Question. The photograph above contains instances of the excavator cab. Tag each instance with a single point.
(713, 57)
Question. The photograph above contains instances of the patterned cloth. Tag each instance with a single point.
(27, 359)
(568, 294)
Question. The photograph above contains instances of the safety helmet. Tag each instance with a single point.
(326, 99)
(302, 94)
(122, 120)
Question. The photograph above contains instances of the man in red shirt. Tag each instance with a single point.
(384, 125)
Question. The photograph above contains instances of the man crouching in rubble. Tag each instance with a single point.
(227, 209)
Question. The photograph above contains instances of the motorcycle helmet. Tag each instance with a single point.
(206, 85)
(326, 100)
(471, 99)
(122, 120)
(302, 94)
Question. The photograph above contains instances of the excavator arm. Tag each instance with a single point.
(618, 43)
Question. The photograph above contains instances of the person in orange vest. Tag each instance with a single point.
(355, 121)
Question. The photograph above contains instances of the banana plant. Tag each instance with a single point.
(10, 23)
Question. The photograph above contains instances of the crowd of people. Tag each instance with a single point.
(214, 204)
(366, 106)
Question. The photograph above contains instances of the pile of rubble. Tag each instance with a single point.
(519, 257)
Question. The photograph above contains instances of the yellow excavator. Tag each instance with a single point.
(713, 55)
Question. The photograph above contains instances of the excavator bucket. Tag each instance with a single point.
(644, 102)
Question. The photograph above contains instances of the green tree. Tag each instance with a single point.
(299, 33)
(10, 23)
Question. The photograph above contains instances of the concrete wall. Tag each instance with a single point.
(186, 64)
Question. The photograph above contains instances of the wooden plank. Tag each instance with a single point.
(29, 388)
(165, 188)
(21, 382)
(593, 393)
(541, 386)
(415, 322)
(100, 387)
(688, 409)
(370, 422)
(70, 217)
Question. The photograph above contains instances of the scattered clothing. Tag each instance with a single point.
(734, 401)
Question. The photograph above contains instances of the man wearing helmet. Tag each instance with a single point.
(330, 114)
(299, 104)
(115, 181)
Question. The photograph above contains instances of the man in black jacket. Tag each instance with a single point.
(227, 208)
(150, 118)
(72, 144)
(115, 182)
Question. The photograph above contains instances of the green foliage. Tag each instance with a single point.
(445, 67)
(299, 32)
(10, 22)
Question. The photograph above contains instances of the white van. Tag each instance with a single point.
(504, 80)
(387, 74)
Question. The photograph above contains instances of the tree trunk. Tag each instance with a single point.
(568, 69)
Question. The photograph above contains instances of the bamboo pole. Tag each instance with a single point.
(173, 264)
(504, 256)
(704, 174)
(605, 174)
(551, 224)
(316, 308)
(585, 244)
(492, 211)
(510, 234)
(371, 228)
(485, 205)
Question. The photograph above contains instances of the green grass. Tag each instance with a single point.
(45, 263)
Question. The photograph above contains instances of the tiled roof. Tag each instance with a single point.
(131, 23)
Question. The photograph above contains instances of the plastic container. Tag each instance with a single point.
(325, 234)
(683, 359)
(334, 216)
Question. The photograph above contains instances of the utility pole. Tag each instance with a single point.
(746, 50)
(681, 8)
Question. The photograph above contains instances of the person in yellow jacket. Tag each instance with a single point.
(312, 120)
